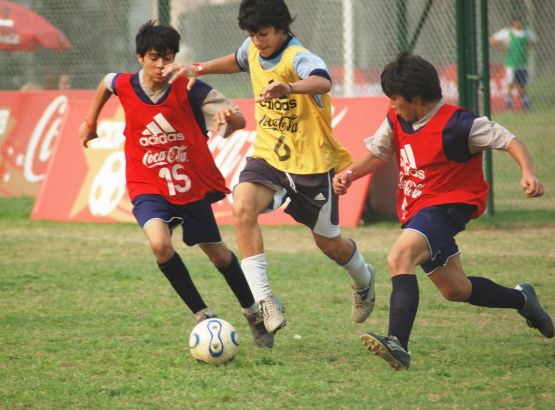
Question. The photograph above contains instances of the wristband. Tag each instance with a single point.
(199, 67)
(350, 172)
(290, 88)
(90, 125)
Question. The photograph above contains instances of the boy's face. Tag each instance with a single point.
(405, 109)
(268, 40)
(153, 63)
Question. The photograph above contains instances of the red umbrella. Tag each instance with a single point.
(22, 29)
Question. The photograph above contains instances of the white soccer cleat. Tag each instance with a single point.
(273, 313)
(364, 299)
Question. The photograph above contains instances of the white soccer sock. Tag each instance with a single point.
(254, 268)
(356, 267)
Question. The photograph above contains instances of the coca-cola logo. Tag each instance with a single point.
(160, 158)
(289, 123)
(42, 139)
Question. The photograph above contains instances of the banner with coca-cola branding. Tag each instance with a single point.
(30, 124)
(89, 184)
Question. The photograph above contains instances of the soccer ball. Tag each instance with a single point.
(214, 341)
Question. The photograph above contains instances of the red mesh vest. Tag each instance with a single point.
(166, 152)
(426, 176)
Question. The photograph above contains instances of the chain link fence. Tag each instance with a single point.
(355, 37)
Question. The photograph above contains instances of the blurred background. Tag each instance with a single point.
(355, 37)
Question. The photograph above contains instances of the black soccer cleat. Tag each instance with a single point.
(536, 316)
(388, 348)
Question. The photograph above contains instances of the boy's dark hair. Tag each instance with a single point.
(257, 14)
(160, 38)
(411, 76)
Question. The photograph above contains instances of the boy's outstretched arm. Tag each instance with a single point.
(366, 164)
(87, 130)
(312, 85)
(529, 182)
(222, 65)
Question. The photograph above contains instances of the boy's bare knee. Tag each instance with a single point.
(398, 259)
(460, 294)
(162, 250)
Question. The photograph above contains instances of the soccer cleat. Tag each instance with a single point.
(204, 314)
(388, 348)
(536, 316)
(272, 311)
(364, 299)
(262, 338)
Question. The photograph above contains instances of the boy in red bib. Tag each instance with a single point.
(441, 187)
(171, 175)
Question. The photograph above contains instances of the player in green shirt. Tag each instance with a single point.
(516, 42)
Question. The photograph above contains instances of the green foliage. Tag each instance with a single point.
(89, 322)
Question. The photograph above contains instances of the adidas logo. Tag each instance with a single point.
(320, 197)
(363, 293)
(159, 131)
(391, 345)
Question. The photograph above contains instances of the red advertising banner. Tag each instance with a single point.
(30, 124)
(89, 184)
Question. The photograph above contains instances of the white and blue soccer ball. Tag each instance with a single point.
(214, 341)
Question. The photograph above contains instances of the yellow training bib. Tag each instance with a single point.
(293, 132)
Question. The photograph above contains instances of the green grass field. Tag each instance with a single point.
(88, 322)
(534, 128)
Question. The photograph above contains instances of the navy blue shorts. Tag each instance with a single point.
(197, 218)
(439, 224)
(521, 76)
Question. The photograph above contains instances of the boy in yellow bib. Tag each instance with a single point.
(294, 157)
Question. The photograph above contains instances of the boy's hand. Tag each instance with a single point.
(531, 186)
(342, 181)
(174, 70)
(274, 90)
(222, 117)
(87, 133)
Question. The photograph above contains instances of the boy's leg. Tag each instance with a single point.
(521, 79)
(410, 249)
(345, 253)
(226, 262)
(455, 286)
(173, 267)
(228, 265)
(250, 200)
(314, 204)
